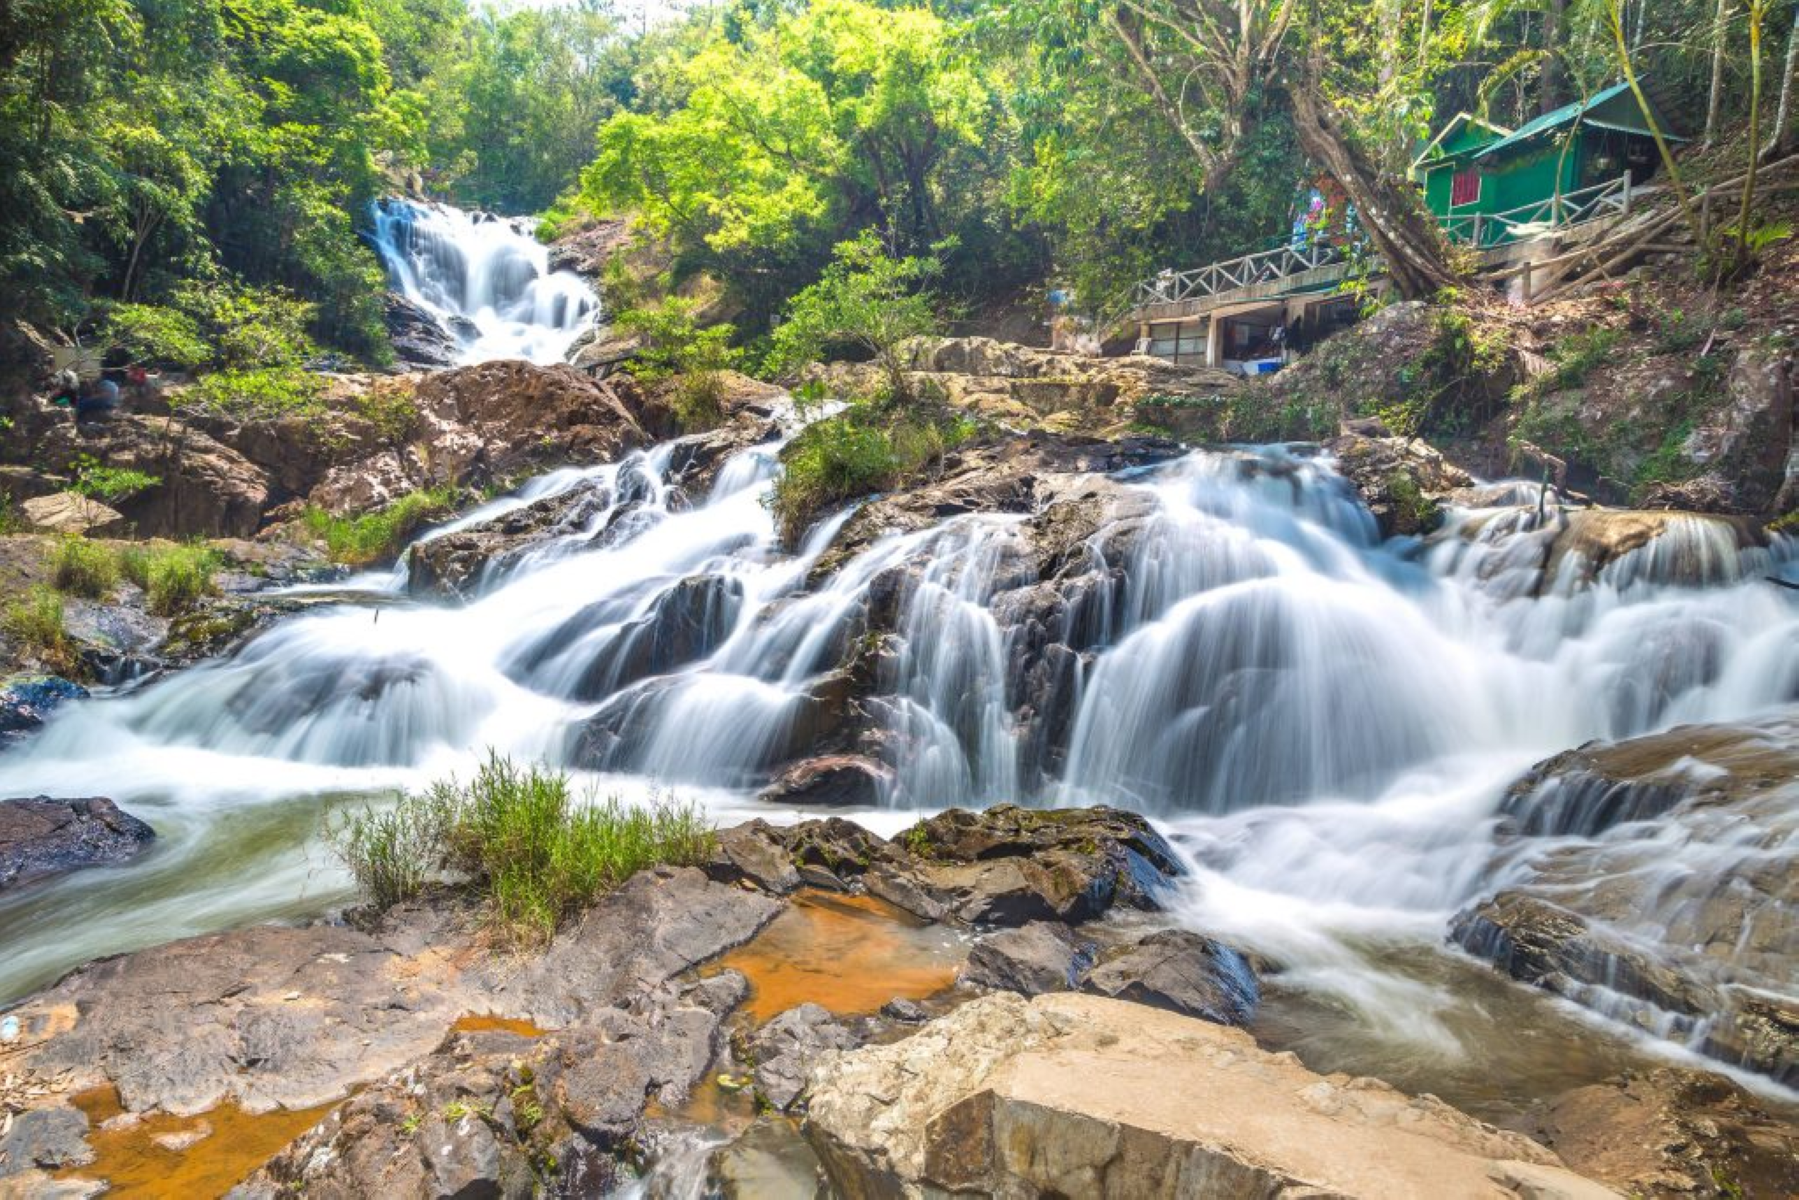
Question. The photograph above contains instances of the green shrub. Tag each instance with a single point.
(676, 346)
(110, 485)
(174, 578)
(373, 537)
(33, 623)
(85, 568)
(257, 394)
(10, 520)
(830, 462)
(1577, 355)
(518, 838)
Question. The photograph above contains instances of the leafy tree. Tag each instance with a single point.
(866, 299)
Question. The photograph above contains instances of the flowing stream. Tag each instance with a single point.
(485, 278)
(1325, 723)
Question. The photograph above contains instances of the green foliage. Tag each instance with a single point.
(257, 394)
(110, 485)
(676, 346)
(374, 537)
(10, 520)
(519, 837)
(174, 578)
(1579, 354)
(867, 300)
(33, 623)
(84, 568)
(864, 449)
(156, 334)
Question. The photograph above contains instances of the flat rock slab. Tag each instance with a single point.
(1084, 1096)
(41, 837)
(281, 1017)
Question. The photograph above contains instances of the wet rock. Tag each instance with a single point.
(1403, 481)
(1009, 475)
(71, 512)
(1668, 901)
(1674, 1132)
(419, 338)
(1012, 866)
(454, 564)
(906, 1012)
(42, 837)
(785, 1050)
(26, 701)
(1030, 960)
(1672, 548)
(694, 462)
(770, 1159)
(835, 780)
(1182, 972)
(1083, 1096)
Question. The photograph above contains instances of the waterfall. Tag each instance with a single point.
(1327, 723)
(485, 278)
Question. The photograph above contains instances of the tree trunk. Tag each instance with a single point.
(1554, 83)
(1714, 109)
(1780, 137)
(1388, 209)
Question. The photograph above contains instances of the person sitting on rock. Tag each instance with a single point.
(99, 400)
(68, 388)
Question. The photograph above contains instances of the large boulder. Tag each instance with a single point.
(786, 1049)
(1669, 897)
(204, 487)
(419, 339)
(1077, 1095)
(41, 837)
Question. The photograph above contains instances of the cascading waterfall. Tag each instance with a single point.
(485, 278)
(1327, 723)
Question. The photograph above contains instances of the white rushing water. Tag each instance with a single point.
(1326, 723)
(485, 278)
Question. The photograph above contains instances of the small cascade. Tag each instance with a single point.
(485, 278)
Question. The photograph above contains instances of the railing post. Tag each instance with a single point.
(1626, 183)
(1524, 286)
(1476, 242)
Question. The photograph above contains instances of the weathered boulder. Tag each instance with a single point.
(1078, 1095)
(786, 1049)
(42, 837)
(767, 1161)
(1674, 1132)
(1696, 943)
(1182, 972)
(1011, 866)
(1403, 481)
(1029, 959)
(71, 512)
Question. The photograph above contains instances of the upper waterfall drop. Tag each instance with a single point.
(485, 278)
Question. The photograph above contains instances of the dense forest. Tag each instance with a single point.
(173, 169)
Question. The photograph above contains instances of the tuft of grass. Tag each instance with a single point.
(373, 537)
(10, 520)
(871, 446)
(33, 623)
(84, 568)
(535, 853)
(174, 578)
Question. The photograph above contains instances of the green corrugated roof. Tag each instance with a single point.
(1579, 110)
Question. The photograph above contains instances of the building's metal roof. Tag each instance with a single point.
(1624, 119)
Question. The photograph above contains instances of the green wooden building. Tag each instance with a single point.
(1488, 185)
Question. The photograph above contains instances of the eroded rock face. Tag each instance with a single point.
(1602, 910)
(1403, 481)
(72, 513)
(1083, 1096)
(419, 338)
(205, 487)
(786, 1049)
(1674, 1132)
(1024, 387)
(42, 837)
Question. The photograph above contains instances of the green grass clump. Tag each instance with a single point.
(873, 445)
(517, 836)
(372, 537)
(84, 568)
(174, 578)
(33, 623)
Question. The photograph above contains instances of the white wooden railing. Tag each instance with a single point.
(1479, 230)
